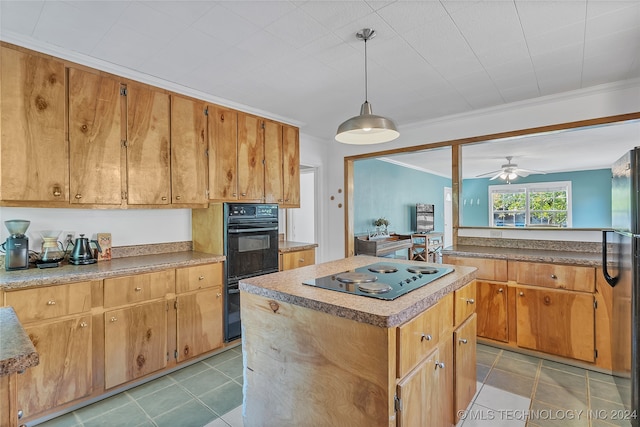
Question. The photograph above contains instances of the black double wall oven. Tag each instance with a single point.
(251, 249)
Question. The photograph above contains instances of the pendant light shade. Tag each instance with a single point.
(366, 128)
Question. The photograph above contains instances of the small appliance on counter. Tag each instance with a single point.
(82, 253)
(51, 252)
(16, 246)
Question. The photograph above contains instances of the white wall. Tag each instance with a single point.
(601, 101)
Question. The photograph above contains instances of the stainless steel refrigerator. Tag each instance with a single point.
(621, 267)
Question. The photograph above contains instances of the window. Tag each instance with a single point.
(542, 204)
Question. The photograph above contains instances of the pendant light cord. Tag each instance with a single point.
(366, 95)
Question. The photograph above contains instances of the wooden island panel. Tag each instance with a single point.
(292, 353)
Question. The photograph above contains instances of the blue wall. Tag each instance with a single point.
(382, 189)
(590, 195)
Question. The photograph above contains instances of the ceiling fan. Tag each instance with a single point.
(509, 172)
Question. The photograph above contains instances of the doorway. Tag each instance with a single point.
(301, 222)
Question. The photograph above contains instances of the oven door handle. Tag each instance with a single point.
(250, 230)
(233, 291)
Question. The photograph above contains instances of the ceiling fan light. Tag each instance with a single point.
(504, 175)
(367, 128)
(513, 175)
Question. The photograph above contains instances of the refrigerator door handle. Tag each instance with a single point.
(610, 280)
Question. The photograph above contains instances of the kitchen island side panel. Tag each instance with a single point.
(306, 367)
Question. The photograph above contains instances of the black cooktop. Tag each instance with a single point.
(383, 280)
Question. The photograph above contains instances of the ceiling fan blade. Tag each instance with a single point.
(496, 175)
(528, 172)
(488, 173)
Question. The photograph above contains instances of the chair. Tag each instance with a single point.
(419, 247)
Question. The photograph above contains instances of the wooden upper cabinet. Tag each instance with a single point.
(33, 148)
(291, 166)
(223, 157)
(148, 146)
(250, 158)
(273, 179)
(188, 151)
(95, 138)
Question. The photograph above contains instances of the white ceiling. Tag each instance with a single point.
(299, 61)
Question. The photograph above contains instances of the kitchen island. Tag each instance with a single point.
(321, 357)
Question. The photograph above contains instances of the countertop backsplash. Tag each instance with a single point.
(552, 245)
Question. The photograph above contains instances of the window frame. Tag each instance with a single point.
(528, 188)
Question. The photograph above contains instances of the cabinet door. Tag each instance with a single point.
(291, 260)
(556, 322)
(95, 138)
(188, 151)
(492, 310)
(273, 166)
(64, 372)
(421, 394)
(464, 302)
(148, 156)
(250, 158)
(199, 317)
(464, 341)
(488, 268)
(135, 342)
(33, 153)
(291, 166)
(223, 155)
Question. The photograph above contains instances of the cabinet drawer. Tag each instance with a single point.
(488, 269)
(198, 277)
(291, 260)
(575, 278)
(464, 302)
(138, 288)
(417, 338)
(49, 302)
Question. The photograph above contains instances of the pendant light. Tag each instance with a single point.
(366, 128)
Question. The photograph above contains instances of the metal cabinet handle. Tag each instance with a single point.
(463, 340)
(20, 414)
(234, 194)
(553, 276)
(500, 290)
(137, 289)
(521, 294)
(426, 337)
(178, 197)
(113, 319)
(439, 364)
(83, 324)
(51, 302)
(243, 194)
(164, 198)
(301, 260)
(57, 192)
(201, 278)
(218, 295)
(471, 301)
(78, 196)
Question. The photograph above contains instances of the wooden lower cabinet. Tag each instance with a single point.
(64, 373)
(421, 396)
(464, 342)
(295, 259)
(492, 310)
(135, 342)
(199, 326)
(556, 321)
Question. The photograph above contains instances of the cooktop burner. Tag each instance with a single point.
(385, 281)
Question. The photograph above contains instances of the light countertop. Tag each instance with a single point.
(16, 350)
(286, 286)
(68, 273)
(591, 259)
(289, 246)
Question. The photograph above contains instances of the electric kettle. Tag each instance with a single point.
(82, 253)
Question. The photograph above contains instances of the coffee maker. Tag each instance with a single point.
(16, 247)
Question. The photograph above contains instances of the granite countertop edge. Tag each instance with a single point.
(67, 273)
(340, 306)
(17, 352)
(589, 259)
(290, 246)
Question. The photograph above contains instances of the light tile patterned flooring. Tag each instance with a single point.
(511, 386)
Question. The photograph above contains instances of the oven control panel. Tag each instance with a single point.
(252, 210)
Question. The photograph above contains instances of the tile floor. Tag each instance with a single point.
(511, 387)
